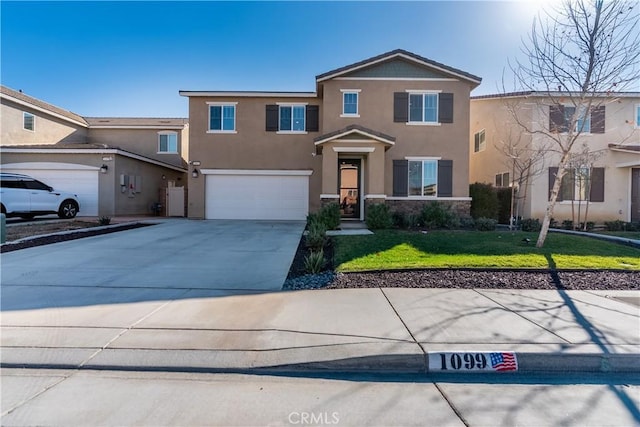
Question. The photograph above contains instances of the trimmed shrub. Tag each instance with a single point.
(590, 226)
(436, 215)
(567, 224)
(531, 224)
(378, 216)
(484, 200)
(616, 225)
(329, 215)
(104, 220)
(405, 220)
(467, 223)
(504, 204)
(486, 224)
(314, 262)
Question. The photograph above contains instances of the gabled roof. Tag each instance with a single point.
(21, 98)
(403, 54)
(78, 148)
(355, 130)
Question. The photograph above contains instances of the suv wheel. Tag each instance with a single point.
(68, 209)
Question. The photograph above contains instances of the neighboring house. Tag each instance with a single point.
(609, 178)
(116, 166)
(390, 129)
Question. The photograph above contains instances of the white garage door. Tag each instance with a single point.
(78, 179)
(276, 195)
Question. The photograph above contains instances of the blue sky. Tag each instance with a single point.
(130, 59)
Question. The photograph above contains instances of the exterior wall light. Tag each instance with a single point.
(104, 168)
(195, 173)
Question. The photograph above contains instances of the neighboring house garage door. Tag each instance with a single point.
(274, 195)
(78, 179)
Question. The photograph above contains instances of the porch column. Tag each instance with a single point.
(375, 172)
(329, 171)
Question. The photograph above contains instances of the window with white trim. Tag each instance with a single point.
(222, 117)
(291, 118)
(167, 142)
(479, 143)
(28, 121)
(423, 108)
(638, 115)
(423, 178)
(350, 102)
(583, 120)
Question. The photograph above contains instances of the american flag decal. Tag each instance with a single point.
(504, 362)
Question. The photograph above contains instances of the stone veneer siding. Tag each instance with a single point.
(413, 207)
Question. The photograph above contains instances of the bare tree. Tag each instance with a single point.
(578, 54)
(524, 162)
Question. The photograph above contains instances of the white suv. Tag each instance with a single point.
(26, 197)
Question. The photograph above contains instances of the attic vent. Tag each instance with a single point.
(165, 121)
(104, 121)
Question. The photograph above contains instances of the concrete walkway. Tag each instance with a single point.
(353, 330)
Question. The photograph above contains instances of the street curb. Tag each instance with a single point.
(528, 364)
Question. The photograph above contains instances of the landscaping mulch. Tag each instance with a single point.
(491, 279)
(458, 278)
(78, 234)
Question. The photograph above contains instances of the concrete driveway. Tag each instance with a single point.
(175, 254)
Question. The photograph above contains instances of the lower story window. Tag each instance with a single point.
(423, 178)
(502, 180)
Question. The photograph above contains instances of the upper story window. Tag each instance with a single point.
(167, 142)
(583, 119)
(294, 118)
(291, 118)
(28, 121)
(350, 102)
(416, 107)
(638, 115)
(222, 117)
(479, 143)
(423, 107)
(586, 120)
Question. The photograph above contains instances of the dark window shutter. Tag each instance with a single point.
(272, 118)
(553, 171)
(597, 119)
(556, 118)
(445, 108)
(597, 185)
(312, 118)
(400, 178)
(401, 107)
(445, 178)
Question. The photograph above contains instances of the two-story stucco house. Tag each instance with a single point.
(116, 166)
(390, 129)
(606, 166)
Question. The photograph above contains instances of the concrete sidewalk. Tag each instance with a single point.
(389, 330)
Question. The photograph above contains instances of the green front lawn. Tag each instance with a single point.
(395, 249)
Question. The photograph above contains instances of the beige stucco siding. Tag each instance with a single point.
(139, 141)
(48, 129)
(492, 115)
(251, 147)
